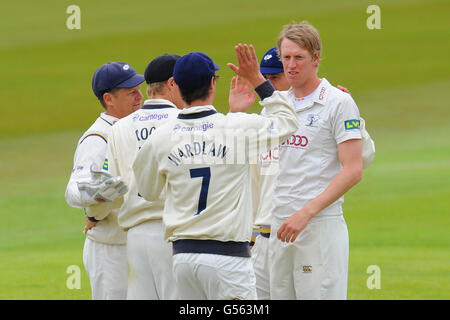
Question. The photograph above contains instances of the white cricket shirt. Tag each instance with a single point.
(264, 179)
(202, 158)
(126, 138)
(91, 149)
(309, 158)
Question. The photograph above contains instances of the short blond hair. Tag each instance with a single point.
(156, 89)
(304, 35)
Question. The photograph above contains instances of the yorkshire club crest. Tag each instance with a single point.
(311, 119)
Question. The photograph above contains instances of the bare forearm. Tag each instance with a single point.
(346, 179)
(343, 182)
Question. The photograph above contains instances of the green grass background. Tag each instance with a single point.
(398, 216)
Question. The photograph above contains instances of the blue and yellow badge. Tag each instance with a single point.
(352, 124)
(105, 165)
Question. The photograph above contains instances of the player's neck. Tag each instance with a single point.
(160, 96)
(307, 88)
(201, 102)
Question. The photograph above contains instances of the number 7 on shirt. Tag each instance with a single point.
(204, 173)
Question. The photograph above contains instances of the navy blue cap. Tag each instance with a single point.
(114, 75)
(161, 68)
(194, 70)
(270, 63)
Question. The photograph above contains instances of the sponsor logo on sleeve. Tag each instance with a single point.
(352, 124)
(105, 165)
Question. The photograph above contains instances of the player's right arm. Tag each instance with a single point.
(91, 150)
(146, 165)
(268, 131)
(368, 145)
(111, 159)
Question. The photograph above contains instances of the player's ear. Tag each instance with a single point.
(107, 97)
(316, 59)
(171, 82)
(212, 84)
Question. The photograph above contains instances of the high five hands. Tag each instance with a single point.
(248, 76)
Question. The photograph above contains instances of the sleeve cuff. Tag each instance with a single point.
(92, 219)
(265, 90)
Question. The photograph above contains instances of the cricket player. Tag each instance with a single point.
(264, 175)
(318, 164)
(203, 159)
(150, 275)
(116, 85)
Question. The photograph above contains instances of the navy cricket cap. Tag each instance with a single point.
(270, 63)
(114, 75)
(161, 68)
(194, 70)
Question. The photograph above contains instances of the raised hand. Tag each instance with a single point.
(248, 65)
(242, 96)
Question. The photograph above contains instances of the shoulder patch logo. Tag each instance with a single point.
(352, 124)
(105, 165)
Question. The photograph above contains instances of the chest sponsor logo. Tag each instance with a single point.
(296, 141)
(352, 125)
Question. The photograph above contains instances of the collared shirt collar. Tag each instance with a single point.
(319, 96)
(158, 102)
(197, 112)
(108, 118)
(197, 109)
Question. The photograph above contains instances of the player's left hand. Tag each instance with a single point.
(101, 187)
(291, 228)
(242, 96)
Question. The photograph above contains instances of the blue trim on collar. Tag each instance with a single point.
(196, 115)
(156, 106)
(107, 121)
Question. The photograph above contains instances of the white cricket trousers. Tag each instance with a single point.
(315, 265)
(261, 265)
(106, 266)
(204, 276)
(150, 275)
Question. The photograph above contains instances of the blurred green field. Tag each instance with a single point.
(398, 216)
